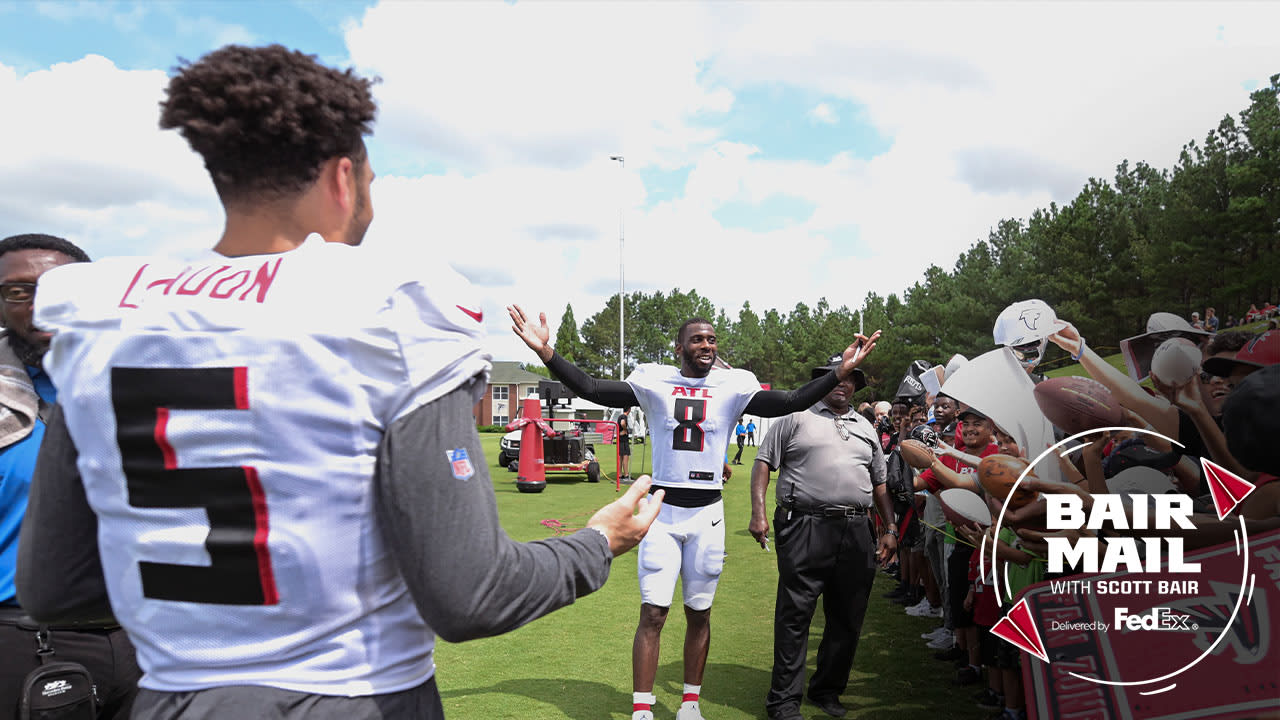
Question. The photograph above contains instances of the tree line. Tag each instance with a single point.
(1203, 233)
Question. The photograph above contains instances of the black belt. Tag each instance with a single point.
(829, 510)
(14, 615)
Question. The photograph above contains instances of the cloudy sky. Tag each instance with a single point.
(774, 152)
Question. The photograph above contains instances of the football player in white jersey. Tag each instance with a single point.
(692, 412)
(272, 441)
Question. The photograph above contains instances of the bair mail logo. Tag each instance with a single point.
(1137, 555)
(1122, 567)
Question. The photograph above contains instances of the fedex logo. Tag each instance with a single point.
(1157, 618)
(690, 392)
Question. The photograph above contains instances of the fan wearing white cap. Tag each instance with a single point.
(1024, 327)
(1139, 350)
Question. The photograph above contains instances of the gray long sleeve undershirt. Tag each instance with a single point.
(467, 577)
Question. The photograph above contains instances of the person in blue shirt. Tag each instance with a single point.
(751, 433)
(26, 397)
(741, 433)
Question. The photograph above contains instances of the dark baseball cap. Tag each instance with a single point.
(833, 364)
(972, 411)
(1262, 351)
(1251, 423)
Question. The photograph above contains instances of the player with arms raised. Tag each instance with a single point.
(276, 447)
(693, 410)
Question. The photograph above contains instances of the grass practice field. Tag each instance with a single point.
(576, 663)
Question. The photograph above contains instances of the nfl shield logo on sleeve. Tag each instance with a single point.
(460, 463)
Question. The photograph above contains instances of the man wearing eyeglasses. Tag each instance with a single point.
(26, 397)
(830, 470)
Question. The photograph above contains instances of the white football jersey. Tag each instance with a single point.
(691, 421)
(227, 414)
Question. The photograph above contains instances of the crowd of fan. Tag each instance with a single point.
(1225, 412)
(1211, 323)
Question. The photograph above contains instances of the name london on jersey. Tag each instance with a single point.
(210, 281)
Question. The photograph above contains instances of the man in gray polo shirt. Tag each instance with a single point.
(830, 468)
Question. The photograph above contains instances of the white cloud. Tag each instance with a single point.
(823, 113)
(549, 85)
(93, 165)
(989, 110)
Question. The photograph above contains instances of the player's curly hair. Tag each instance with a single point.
(266, 119)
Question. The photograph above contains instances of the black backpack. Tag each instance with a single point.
(57, 690)
(899, 480)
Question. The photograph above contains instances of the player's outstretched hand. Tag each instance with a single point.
(857, 352)
(537, 337)
(619, 520)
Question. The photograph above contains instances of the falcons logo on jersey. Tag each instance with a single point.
(1247, 636)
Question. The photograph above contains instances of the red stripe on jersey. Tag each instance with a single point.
(166, 450)
(242, 387)
(270, 596)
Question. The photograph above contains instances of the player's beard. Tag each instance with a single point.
(690, 360)
(29, 354)
(357, 226)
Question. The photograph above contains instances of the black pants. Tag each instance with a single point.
(742, 439)
(106, 654)
(832, 557)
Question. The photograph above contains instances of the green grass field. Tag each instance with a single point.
(576, 663)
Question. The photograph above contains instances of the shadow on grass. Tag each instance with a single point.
(507, 484)
(738, 687)
(577, 699)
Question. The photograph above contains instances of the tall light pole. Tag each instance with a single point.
(622, 274)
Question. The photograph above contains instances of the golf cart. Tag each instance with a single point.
(568, 443)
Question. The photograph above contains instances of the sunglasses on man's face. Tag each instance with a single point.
(1027, 351)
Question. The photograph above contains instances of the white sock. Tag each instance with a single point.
(691, 693)
(642, 701)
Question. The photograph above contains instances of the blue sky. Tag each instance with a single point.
(147, 35)
(777, 152)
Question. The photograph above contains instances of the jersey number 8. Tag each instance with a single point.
(688, 434)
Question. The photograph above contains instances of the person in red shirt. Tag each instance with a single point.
(958, 468)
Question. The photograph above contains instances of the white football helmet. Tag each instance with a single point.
(1024, 327)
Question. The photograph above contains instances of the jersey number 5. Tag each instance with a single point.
(688, 434)
(239, 572)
